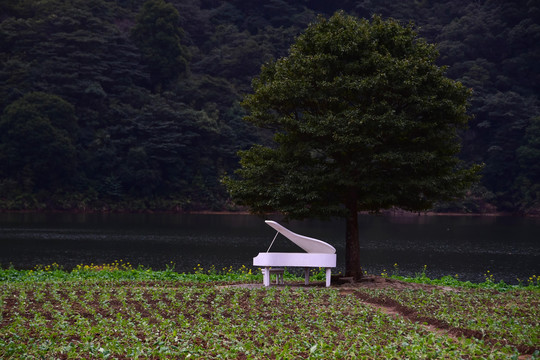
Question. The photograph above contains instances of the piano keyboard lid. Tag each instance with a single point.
(308, 244)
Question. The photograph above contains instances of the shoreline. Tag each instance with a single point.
(389, 213)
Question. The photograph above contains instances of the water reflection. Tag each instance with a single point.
(467, 246)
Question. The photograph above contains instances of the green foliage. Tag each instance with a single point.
(124, 271)
(102, 58)
(531, 283)
(38, 134)
(157, 34)
(361, 111)
(528, 157)
(131, 148)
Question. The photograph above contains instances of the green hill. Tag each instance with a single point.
(127, 105)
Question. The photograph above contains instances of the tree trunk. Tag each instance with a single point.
(352, 245)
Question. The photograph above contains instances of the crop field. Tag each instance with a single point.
(171, 319)
(500, 319)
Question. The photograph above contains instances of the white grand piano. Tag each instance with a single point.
(318, 254)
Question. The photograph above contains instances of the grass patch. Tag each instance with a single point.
(531, 283)
(122, 312)
(121, 271)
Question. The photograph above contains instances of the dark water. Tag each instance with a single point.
(467, 246)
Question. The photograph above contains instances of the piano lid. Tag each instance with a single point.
(310, 245)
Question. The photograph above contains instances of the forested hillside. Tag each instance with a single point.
(134, 105)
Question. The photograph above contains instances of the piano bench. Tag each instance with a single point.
(277, 271)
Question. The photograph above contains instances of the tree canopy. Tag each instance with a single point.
(38, 134)
(157, 33)
(364, 120)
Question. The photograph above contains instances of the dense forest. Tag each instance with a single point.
(134, 105)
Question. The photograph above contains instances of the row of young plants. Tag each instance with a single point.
(118, 311)
(510, 317)
(107, 319)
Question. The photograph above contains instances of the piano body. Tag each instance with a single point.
(318, 254)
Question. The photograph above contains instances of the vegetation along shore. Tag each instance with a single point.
(115, 311)
(125, 116)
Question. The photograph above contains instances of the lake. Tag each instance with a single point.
(467, 246)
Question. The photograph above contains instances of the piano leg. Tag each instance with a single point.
(328, 276)
(306, 275)
(266, 276)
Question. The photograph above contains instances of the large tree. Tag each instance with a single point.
(363, 119)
